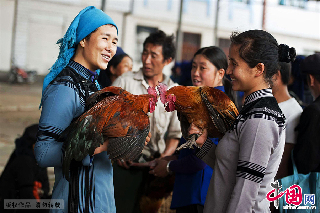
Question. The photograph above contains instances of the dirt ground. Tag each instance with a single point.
(19, 108)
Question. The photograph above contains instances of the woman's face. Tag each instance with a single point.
(99, 48)
(242, 76)
(124, 66)
(204, 73)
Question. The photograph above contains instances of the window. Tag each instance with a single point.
(294, 3)
(191, 43)
(224, 44)
(142, 33)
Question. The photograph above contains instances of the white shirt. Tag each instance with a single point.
(292, 111)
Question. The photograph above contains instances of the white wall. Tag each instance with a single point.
(39, 26)
(294, 21)
(40, 23)
(6, 23)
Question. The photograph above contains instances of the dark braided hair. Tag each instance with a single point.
(258, 46)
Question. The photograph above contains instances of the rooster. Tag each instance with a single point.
(114, 115)
(205, 107)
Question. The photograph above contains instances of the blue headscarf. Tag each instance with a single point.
(88, 20)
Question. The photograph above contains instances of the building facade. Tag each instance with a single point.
(30, 28)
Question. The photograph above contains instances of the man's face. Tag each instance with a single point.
(152, 60)
(100, 47)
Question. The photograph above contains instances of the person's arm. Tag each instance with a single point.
(59, 108)
(171, 145)
(207, 147)
(285, 163)
(306, 153)
(187, 165)
(256, 140)
(207, 152)
(285, 167)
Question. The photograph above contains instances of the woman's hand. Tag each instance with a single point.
(193, 129)
(101, 148)
(125, 164)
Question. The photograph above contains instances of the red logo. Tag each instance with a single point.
(293, 195)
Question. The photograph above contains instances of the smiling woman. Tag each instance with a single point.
(95, 51)
(88, 45)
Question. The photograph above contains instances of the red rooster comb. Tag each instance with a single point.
(167, 100)
(153, 101)
(152, 91)
(162, 88)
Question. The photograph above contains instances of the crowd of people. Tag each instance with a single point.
(229, 174)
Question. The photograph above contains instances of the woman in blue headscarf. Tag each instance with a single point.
(88, 45)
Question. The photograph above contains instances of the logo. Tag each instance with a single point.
(33, 204)
(293, 197)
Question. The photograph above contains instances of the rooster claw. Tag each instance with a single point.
(191, 142)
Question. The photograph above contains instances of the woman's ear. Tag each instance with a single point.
(259, 69)
(82, 42)
(221, 73)
(311, 80)
(168, 61)
(112, 70)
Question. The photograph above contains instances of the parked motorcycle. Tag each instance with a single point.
(19, 75)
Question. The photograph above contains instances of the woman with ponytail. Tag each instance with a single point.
(247, 158)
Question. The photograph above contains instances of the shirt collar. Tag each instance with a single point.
(84, 72)
(220, 88)
(257, 95)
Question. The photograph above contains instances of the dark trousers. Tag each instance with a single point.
(128, 186)
(195, 208)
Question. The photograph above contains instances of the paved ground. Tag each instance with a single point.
(19, 108)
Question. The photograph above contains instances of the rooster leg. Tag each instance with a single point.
(190, 142)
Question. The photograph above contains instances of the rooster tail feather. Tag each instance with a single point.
(82, 140)
(215, 116)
